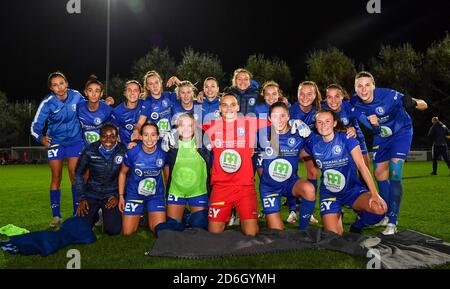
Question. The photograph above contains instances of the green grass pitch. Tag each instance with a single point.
(24, 201)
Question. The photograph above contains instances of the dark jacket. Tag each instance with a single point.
(103, 174)
(247, 99)
(438, 133)
(204, 152)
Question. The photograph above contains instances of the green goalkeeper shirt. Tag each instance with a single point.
(189, 172)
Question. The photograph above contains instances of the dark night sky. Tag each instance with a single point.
(39, 37)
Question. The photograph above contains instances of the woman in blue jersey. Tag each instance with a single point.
(63, 138)
(158, 104)
(126, 115)
(270, 93)
(185, 92)
(187, 171)
(385, 108)
(278, 166)
(93, 113)
(211, 101)
(305, 108)
(337, 100)
(340, 159)
(141, 182)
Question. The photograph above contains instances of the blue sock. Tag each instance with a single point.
(366, 219)
(395, 199)
(170, 224)
(55, 202)
(384, 188)
(199, 219)
(314, 182)
(306, 210)
(74, 200)
(292, 203)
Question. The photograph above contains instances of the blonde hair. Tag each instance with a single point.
(318, 97)
(236, 72)
(365, 74)
(186, 83)
(150, 74)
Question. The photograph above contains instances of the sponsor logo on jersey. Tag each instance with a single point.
(160, 162)
(147, 187)
(217, 143)
(268, 151)
(291, 141)
(97, 121)
(138, 172)
(129, 126)
(163, 124)
(385, 131)
(154, 115)
(319, 164)
(280, 170)
(334, 180)
(230, 161)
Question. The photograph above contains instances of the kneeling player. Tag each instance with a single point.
(339, 157)
(278, 166)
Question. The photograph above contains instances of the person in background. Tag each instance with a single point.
(439, 134)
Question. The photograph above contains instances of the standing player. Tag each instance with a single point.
(210, 105)
(93, 113)
(386, 108)
(305, 109)
(278, 170)
(63, 138)
(439, 134)
(126, 115)
(337, 100)
(185, 92)
(143, 187)
(158, 104)
(245, 89)
(339, 157)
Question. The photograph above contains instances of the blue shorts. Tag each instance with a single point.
(332, 203)
(134, 206)
(199, 201)
(62, 151)
(271, 195)
(397, 146)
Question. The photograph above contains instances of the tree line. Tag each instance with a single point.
(420, 74)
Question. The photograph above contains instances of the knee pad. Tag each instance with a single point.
(396, 170)
(199, 219)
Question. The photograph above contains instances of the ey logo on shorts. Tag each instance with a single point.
(280, 170)
(212, 213)
(230, 161)
(268, 202)
(147, 187)
(334, 180)
(52, 153)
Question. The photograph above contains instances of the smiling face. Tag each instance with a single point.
(306, 96)
(58, 85)
(211, 89)
(94, 92)
(229, 107)
(334, 99)
(132, 92)
(153, 84)
(364, 87)
(242, 80)
(149, 136)
(186, 95)
(325, 124)
(108, 138)
(186, 126)
(279, 117)
(271, 94)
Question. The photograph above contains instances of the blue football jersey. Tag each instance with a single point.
(144, 179)
(280, 164)
(179, 109)
(387, 104)
(210, 110)
(307, 117)
(125, 119)
(92, 121)
(334, 159)
(159, 111)
(61, 118)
